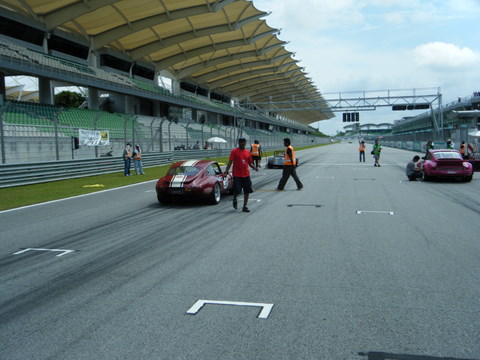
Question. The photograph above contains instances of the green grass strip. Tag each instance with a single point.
(24, 195)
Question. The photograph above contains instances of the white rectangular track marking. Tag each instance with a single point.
(359, 212)
(266, 308)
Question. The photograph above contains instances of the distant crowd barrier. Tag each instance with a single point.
(40, 172)
(46, 171)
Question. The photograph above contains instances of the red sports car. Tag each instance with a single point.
(194, 178)
(446, 163)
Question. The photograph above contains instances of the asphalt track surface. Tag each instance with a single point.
(361, 264)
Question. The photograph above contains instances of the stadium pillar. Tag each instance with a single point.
(45, 91)
(176, 87)
(3, 92)
(93, 102)
(156, 109)
(129, 104)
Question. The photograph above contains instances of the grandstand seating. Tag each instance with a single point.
(69, 119)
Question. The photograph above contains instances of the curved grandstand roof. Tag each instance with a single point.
(223, 45)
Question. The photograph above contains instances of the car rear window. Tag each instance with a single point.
(447, 155)
(184, 170)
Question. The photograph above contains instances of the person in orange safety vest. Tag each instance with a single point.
(137, 160)
(361, 149)
(256, 152)
(127, 158)
(289, 165)
(463, 149)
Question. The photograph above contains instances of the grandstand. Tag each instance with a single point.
(216, 71)
(368, 131)
(455, 120)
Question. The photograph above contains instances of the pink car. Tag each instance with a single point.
(446, 163)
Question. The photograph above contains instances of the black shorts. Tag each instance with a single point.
(256, 157)
(244, 183)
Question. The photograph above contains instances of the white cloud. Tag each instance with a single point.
(440, 55)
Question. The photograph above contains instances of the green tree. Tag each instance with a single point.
(69, 99)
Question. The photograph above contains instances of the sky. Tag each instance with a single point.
(366, 45)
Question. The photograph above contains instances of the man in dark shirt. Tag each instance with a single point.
(412, 170)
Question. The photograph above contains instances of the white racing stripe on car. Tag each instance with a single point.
(177, 181)
(190, 163)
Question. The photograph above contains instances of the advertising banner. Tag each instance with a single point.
(93, 137)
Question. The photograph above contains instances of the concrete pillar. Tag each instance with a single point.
(156, 109)
(176, 87)
(92, 59)
(3, 92)
(93, 100)
(45, 91)
(129, 104)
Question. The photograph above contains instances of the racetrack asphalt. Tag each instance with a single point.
(360, 264)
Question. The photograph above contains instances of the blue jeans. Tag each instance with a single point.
(138, 167)
(362, 155)
(127, 166)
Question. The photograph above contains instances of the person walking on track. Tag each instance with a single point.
(376, 153)
(241, 159)
(256, 152)
(289, 167)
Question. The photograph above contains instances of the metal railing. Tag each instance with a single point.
(40, 172)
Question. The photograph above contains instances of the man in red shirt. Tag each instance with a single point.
(241, 159)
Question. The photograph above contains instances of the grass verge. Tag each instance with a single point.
(18, 196)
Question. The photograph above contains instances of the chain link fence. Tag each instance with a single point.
(37, 133)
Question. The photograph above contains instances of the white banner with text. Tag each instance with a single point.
(93, 137)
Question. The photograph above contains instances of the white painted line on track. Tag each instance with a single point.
(266, 308)
(63, 251)
(76, 196)
(324, 177)
(355, 164)
(375, 212)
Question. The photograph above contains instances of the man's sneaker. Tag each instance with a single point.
(235, 204)
(300, 188)
(245, 209)
(278, 189)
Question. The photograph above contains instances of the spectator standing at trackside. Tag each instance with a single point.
(361, 150)
(256, 152)
(137, 160)
(197, 145)
(429, 147)
(377, 149)
(463, 149)
(127, 158)
(289, 167)
(241, 159)
(450, 144)
(412, 170)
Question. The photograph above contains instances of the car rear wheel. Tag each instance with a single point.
(468, 178)
(215, 195)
